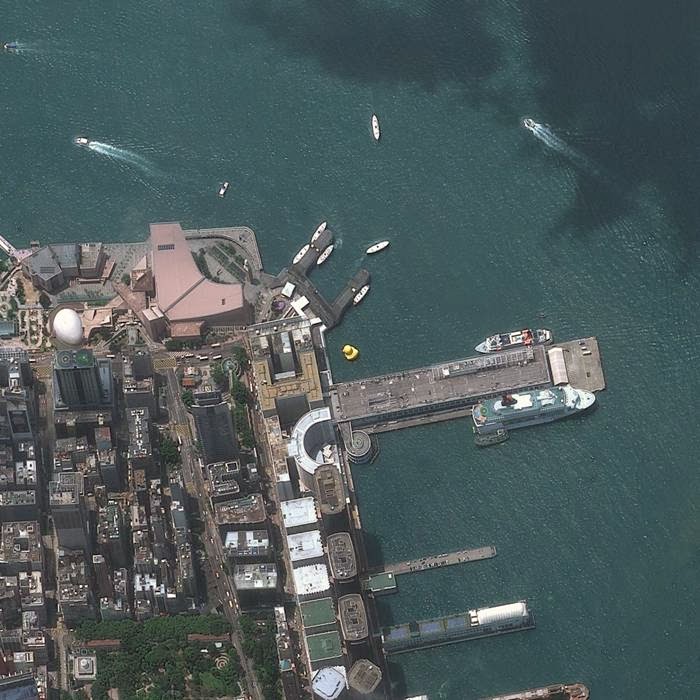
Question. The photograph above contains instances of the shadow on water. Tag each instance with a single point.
(631, 76)
(375, 42)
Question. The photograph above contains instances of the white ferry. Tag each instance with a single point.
(377, 247)
(515, 339)
(321, 228)
(375, 127)
(325, 255)
(360, 295)
(301, 254)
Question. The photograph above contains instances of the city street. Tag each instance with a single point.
(194, 483)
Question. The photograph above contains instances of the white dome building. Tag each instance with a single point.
(67, 327)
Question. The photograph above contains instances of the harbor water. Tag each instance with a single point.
(591, 229)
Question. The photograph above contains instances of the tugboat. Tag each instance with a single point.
(514, 339)
(223, 189)
(360, 295)
(325, 255)
(375, 127)
(321, 228)
(350, 352)
(81, 140)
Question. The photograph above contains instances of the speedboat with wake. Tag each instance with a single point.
(325, 255)
(81, 141)
(531, 125)
(515, 339)
(360, 295)
(377, 247)
(375, 127)
(10, 46)
(321, 228)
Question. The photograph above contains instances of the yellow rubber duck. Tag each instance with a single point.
(350, 352)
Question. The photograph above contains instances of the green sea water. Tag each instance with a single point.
(596, 518)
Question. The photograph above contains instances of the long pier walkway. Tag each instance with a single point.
(447, 390)
(462, 556)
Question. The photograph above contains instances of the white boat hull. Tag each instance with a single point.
(301, 254)
(377, 247)
(376, 132)
(321, 228)
(325, 255)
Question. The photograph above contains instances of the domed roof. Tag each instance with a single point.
(67, 327)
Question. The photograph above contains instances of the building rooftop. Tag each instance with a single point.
(187, 295)
(250, 509)
(300, 511)
(324, 646)
(311, 579)
(364, 676)
(304, 381)
(341, 556)
(330, 489)
(315, 613)
(251, 543)
(255, 576)
(16, 498)
(20, 543)
(305, 545)
(353, 617)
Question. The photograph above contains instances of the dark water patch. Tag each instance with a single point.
(384, 42)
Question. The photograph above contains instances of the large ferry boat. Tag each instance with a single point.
(514, 339)
(559, 691)
(526, 408)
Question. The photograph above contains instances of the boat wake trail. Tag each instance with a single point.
(123, 155)
(545, 134)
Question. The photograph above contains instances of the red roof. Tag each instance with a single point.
(183, 293)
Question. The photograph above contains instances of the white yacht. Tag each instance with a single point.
(375, 127)
(377, 247)
(531, 125)
(321, 228)
(360, 295)
(301, 254)
(223, 189)
(325, 255)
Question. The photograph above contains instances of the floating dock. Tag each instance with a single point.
(576, 691)
(449, 390)
(475, 624)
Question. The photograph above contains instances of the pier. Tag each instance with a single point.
(433, 562)
(448, 390)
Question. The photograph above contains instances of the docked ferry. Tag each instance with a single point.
(526, 408)
(515, 339)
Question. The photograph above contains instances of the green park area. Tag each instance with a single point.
(156, 661)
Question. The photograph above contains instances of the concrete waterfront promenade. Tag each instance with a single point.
(448, 390)
(461, 556)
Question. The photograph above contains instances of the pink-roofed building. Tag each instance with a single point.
(182, 293)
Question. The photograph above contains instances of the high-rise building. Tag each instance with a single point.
(67, 504)
(212, 417)
(81, 381)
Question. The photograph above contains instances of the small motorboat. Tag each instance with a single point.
(377, 247)
(531, 125)
(81, 140)
(223, 189)
(301, 254)
(360, 295)
(321, 228)
(10, 46)
(325, 255)
(350, 352)
(375, 127)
